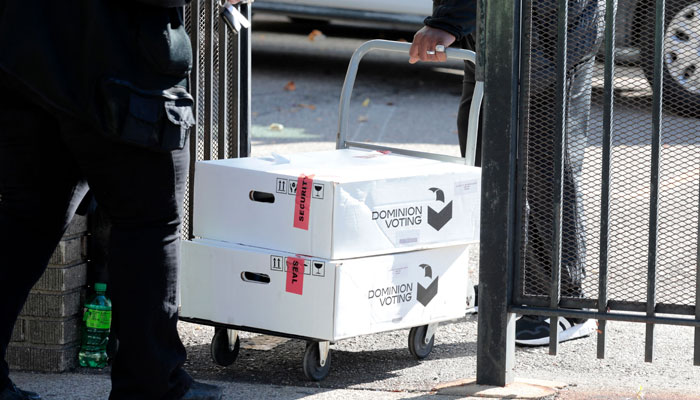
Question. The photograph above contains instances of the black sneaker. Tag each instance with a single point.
(12, 392)
(531, 330)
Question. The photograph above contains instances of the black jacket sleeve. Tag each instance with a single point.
(457, 17)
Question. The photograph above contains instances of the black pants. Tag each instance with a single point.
(46, 165)
(539, 202)
(538, 138)
(465, 103)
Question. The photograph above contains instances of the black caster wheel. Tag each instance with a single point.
(416, 342)
(312, 363)
(220, 351)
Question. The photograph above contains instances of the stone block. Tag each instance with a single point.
(68, 251)
(52, 305)
(77, 226)
(42, 358)
(19, 331)
(62, 278)
(53, 331)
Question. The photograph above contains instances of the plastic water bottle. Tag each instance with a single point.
(97, 318)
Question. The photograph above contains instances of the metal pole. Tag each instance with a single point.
(499, 62)
(558, 181)
(696, 354)
(655, 157)
(245, 74)
(208, 117)
(608, 86)
(223, 92)
(194, 87)
(233, 75)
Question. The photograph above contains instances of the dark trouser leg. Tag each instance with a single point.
(465, 103)
(39, 191)
(142, 193)
(540, 190)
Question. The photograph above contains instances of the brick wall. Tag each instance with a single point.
(46, 336)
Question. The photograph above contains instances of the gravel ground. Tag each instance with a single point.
(382, 362)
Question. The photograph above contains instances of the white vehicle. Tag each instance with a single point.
(408, 12)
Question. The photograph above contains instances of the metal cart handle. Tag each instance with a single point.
(403, 47)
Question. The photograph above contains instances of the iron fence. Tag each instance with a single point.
(220, 85)
(598, 168)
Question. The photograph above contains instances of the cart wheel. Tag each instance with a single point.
(220, 351)
(312, 362)
(416, 342)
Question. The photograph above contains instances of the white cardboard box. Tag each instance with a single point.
(337, 300)
(356, 203)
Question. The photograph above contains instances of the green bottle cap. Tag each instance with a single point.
(100, 287)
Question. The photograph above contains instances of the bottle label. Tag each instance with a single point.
(98, 319)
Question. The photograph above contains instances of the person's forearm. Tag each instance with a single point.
(457, 17)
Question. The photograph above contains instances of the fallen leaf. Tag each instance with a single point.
(316, 34)
(276, 127)
(290, 86)
(366, 102)
(309, 106)
(389, 103)
(362, 118)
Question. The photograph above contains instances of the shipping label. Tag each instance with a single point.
(295, 275)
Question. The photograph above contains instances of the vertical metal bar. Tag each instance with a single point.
(499, 46)
(223, 96)
(608, 86)
(234, 96)
(208, 117)
(245, 68)
(522, 169)
(194, 87)
(696, 351)
(655, 157)
(558, 178)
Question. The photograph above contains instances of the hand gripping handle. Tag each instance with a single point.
(403, 47)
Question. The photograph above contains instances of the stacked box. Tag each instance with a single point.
(330, 245)
(46, 336)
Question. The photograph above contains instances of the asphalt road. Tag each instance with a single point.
(393, 102)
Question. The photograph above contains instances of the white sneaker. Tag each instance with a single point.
(531, 330)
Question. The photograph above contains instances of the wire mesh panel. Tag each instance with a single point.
(640, 217)
(220, 104)
(557, 99)
(593, 181)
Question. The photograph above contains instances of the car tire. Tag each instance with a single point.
(681, 60)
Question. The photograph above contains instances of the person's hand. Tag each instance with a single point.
(424, 42)
(234, 1)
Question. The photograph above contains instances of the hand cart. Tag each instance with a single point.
(225, 344)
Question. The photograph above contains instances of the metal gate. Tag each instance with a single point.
(594, 180)
(220, 85)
